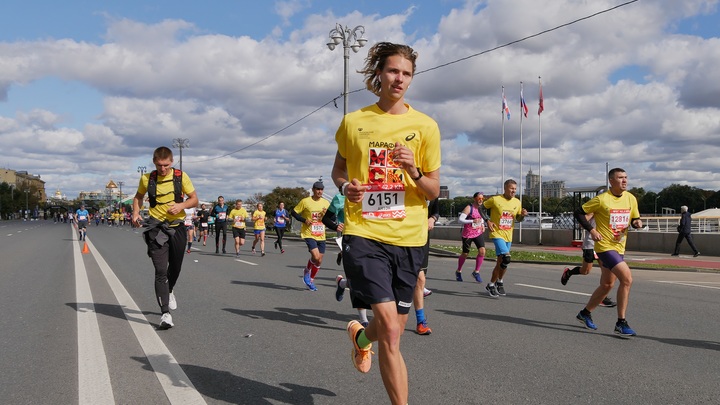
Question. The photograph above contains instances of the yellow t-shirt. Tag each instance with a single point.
(503, 213)
(238, 217)
(612, 219)
(314, 211)
(388, 214)
(165, 195)
(259, 222)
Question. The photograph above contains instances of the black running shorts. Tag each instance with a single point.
(239, 233)
(467, 242)
(378, 272)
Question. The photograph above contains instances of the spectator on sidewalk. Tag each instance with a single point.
(684, 230)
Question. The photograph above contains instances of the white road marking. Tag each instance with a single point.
(553, 289)
(243, 261)
(691, 283)
(93, 375)
(176, 384)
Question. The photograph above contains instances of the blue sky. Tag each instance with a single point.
(88, 88)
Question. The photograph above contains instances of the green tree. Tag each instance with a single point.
(290, 196)
(676, 195)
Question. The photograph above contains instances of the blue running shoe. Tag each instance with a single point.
(312, 286)
(476, 274)
(458, 276)
(307, 281)
(587, 321)
(623, 330)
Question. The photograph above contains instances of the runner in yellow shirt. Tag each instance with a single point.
(614, 212)
(237, 216)
(258, 217)
(387, 166)
(310, 212)
(505, 210)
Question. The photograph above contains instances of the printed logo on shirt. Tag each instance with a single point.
(410, 137)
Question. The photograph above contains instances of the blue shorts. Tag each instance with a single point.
(610, 259)
(502, 247)
(258, 231)
(315, 244)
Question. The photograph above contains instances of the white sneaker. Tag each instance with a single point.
(166, 321)
(172, 303)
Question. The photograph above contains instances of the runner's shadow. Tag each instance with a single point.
(515, 320)
(295, 316)
(271, 286)
(693, 344)
(112, 310)
(230, 388)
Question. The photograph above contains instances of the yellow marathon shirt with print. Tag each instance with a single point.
(395, 212)
(314, 211)
(612, 219)
(503, 213)
(236, 215)
(165, 195)
(259, 223)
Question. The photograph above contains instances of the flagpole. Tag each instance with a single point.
(540, 110)
(522, 112)
(502, 118)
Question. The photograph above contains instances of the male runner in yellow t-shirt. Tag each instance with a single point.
(505, 209)
(165, 235)
(387, 166)
(237, 216)
(310, 212)
(614, 211)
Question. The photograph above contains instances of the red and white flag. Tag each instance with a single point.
(541, 106)
(505, 107)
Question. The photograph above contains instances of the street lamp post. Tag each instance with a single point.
(350, 39)
(181, 143)
(656, 198)
(27, 192)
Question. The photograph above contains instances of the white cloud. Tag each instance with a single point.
(225, 93)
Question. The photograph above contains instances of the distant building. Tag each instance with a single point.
(553, 188)
(22, 181)
(444, 193)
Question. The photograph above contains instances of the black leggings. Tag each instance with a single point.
(167, 260)
(220, 227)
(279, 232)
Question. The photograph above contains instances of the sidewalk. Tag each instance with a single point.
(684, 262)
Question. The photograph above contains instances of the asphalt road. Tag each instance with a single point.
(80, 328)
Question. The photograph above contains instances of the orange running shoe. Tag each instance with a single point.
(422, 328)
(361, 357)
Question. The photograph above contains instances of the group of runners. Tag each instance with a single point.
(202, 222)
(387, 169)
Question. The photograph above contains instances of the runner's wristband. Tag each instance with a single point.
(343, 187)
(420, 174)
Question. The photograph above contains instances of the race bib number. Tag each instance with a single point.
(222, 216)
(619, 220)
(188, 221)
(81, 217)
(239, 222)
(204, 224)
(506, 220)
(280, 220)
(317, 229)
(384, 201)
(479, 225)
